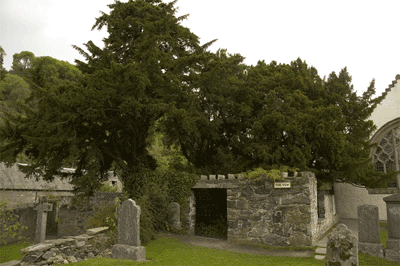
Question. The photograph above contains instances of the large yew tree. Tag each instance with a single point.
(102, 119)
(274, 115)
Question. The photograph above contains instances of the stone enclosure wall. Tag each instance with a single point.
(74, 219)
(261, 214)
(66, 218)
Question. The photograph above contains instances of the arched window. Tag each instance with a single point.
(386, 156)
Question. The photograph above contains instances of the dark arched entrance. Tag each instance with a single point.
(211, 212)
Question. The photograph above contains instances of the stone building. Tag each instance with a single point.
(385, 156)
(261, 211)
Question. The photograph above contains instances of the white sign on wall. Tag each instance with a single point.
(282, 185)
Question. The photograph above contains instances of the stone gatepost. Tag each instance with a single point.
(342, 248)
(392, 251)
(369, 238)
(42, 208)
(175, 215)
(128, 247)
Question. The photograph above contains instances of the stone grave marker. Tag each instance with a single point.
(42, 208)
(175, 215)
(342, 247)
(392, 251)
(128, 246)
(369, 239)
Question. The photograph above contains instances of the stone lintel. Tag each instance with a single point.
(126, 252)
(371, 249)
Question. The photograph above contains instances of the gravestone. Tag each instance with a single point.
(175, 215)
(42, 208)
(392, 251)
(128, 246)
(342, 248)
(369, 239)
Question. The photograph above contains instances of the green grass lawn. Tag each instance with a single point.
(169, 251)
(11, 252)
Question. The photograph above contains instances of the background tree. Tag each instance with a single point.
(21, 62)
(13, 90)
(3, 71)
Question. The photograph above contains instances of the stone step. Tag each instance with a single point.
(320, 253)
(320, 250)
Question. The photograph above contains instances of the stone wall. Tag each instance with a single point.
(17, 199)
(261, 214)
(65, 219)
(74, 218)
(69, 249)
(330, 218)
(348, 197)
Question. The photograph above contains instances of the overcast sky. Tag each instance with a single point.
(329, 35)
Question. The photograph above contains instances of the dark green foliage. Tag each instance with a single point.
(210, 119)
(238, 118)
(101, 116)
(153, 191)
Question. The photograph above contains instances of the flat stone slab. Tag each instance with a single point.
(319, 257)
(372, 249)
(126, 252)
(320, 251)
(10, 263)
(37, 248)
(97, 230)
(59, 242)
(392, 255)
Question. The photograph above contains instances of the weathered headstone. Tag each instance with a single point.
(392, 251)
(42, 208)
(128, 246)
(175, 215)
(369, 240)
(342, 248)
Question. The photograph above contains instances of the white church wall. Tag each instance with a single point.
(348, 197)
(389, 108)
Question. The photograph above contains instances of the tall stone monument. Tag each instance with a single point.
(392, 251)
(369, 239)
(128, 247)
(42, 208)
(175, 215)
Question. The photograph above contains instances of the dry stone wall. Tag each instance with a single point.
(68, 249)
(74, 218)
(261, 214)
